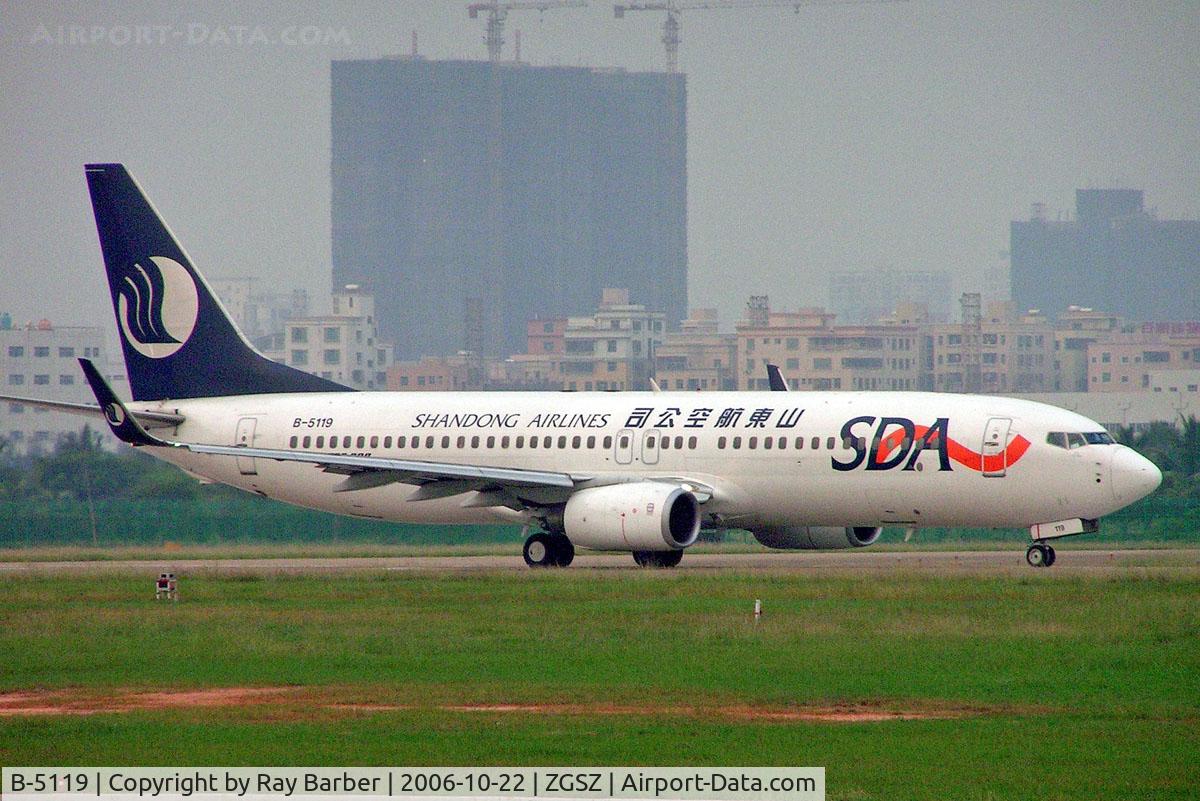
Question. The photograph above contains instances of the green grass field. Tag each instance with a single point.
(1043, 687)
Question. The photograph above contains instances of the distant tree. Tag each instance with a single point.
(1159, 442)
(1187, 456)
(1125, 435)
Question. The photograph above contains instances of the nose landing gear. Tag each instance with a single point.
(1040, 555)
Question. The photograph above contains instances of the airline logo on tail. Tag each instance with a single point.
(157, 306)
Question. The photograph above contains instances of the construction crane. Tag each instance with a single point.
(670, 37)
(497, 13)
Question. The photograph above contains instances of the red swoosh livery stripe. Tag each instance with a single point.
(960, 453)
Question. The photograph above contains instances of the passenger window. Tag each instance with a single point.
(721, 443)
(650, 441)
(799, 443)
(678, 443)
(816, 443)
(768, 443)
(576, 442)
(491, 442)
(333, 443)
(292, 442)
(533, 442)
(416, 442)
(1057, 438)
(387, 442)
(591, 442)
(547, 442)
(429, 442)
(307, 442)
(462, 442)
(691, 443)
(607, 443)
(624, 442)
(521, 441)
(666, 443)
(320, 442)
(474, 442)
(782, 443)
(753, 443)
(361, 442)
(848, 442)
(504, 442)
(737, 442)
(401, 442)
(346, 441)
(374, 443)
(1075, 440)
(445, 442)
(562, 442)
(831, 443)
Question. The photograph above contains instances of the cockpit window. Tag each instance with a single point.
(1057, 438)
(1075, 440)
(1098, 438)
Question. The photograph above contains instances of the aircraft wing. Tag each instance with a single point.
(497, 486)
(775, 379)
(147, 419)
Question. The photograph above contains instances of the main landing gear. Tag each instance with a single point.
(660, 559)
(548, 550)
(1040, 555)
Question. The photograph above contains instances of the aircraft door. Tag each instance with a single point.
(650, 447)
(995, 447)
(244, 438)
(624, 447)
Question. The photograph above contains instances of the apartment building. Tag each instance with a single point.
(698, 356)
(813, 353)
(1139, 361)
(40, 360)
(343, 346)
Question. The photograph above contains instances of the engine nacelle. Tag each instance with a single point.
(816, 538)
(640, 516)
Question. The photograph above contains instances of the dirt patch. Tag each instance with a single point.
(849, 713)
(72, 702)
(283, 699)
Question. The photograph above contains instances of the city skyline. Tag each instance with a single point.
(904, 135)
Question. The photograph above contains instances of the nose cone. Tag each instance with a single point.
(1133, 475)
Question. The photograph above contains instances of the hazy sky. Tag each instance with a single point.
(893, 136)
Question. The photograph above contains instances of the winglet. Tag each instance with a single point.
(123, 424)
(775, 379)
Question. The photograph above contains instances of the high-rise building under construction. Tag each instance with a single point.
(470, 196)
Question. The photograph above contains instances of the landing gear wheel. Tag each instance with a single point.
(659, 559)
(1050, 556)
(538, 550)
(562, 551)
(1039, 555)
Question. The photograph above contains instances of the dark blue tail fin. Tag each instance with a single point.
(178, 340)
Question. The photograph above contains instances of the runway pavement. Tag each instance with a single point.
(1012, 561)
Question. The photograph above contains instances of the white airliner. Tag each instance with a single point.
(637, 472)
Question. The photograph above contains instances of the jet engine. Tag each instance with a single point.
(816, 538)
(639, 516)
